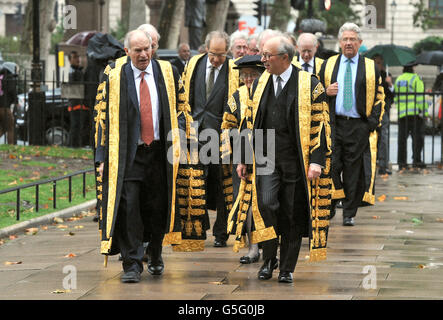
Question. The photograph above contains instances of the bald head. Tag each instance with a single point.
(307, 46)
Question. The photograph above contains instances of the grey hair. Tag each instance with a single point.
(128, 37)
(252, 37)
(150, 29)
(237, 35)
(217, 34)
(349, 26)
(286, 47)
(309, 36)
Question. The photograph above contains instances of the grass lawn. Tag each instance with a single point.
(20, 165)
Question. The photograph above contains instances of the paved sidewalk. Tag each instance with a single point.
(399, 241)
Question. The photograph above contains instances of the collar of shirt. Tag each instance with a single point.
(285, 75)
(354, 59)
(137, 71)
(302, 62)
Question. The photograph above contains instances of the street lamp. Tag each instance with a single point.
(393, 8)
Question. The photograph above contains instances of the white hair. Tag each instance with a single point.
(150, 29)
(349, 26)
(266, 33)
(128, 37)
(307, 36)
(237, 35)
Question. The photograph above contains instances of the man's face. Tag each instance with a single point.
(274, 62)
(74, 60)
(350, 43)
(379, 62)
(252, 48)
(307, 50)
(184, 52)
(139, 51)
(217, 52)
(239, 48)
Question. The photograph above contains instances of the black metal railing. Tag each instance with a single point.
(37, 185)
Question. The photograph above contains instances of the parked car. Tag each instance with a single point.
(56, 118)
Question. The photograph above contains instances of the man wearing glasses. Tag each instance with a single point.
(356, 105)
(209, 81)
(289, 110)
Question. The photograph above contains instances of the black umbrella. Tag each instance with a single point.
(433, 58)
(103, 46)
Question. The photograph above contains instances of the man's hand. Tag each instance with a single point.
(100, 168)
(314, 171)
(332, 90)
(242, 171)
(388, 80)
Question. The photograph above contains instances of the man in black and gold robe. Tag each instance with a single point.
(209, 80)
(356, 102)
(288, 184)
(139, 111)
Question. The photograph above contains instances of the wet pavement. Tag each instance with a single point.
(395, 251)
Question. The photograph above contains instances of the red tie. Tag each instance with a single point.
(147, 126)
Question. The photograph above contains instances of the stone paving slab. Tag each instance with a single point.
(407, 257)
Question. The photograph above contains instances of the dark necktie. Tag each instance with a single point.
(147, 125)
(210, 83)
(279, 87)
(306, 66)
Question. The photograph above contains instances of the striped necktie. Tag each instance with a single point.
(347, 92)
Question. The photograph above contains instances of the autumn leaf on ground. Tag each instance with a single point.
(439, 219)
(216, 282)
(382, 198)
(71, 233)
(400, 198)
(45, 206)
(79, 227)
(11, 156)
(421, 266)
(61, 291)
(44, 227)
(31, 231)
(10, 263)
(375, 217)
(50, 168)
(13, 236)
(71, 255)
(62, 226)
(58, 220)
(12, 183)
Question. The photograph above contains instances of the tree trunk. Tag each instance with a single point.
(216, 14)
(170, 23)
(47, 26)
(281, 14)
(137, 14)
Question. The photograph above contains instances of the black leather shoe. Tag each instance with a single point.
(155, 262)
(266, 269)
(285, 276)
(348, 221)
(219, 243)
(248, 260)
(130, 277)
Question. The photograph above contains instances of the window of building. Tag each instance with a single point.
(380, 5)
(436, 6)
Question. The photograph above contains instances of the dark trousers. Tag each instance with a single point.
(214, 195)
(351, 140)
(410, 125)
(383, 140)
(79, 128)
(143, 204)
(282, 198)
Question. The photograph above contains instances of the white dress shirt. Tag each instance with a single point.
(208, 71)
(285, 78)
(149, 77)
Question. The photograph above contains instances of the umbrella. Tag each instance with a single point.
(103, 46)
(392, 54)
(81, 38)
(433, 58)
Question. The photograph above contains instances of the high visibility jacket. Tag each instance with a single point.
(410, 104)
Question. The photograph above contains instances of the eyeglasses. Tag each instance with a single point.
(349, 39)
(249, 75)
(218, 55)
(267, 56)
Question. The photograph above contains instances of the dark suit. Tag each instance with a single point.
(143, 197)
(282, 192)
